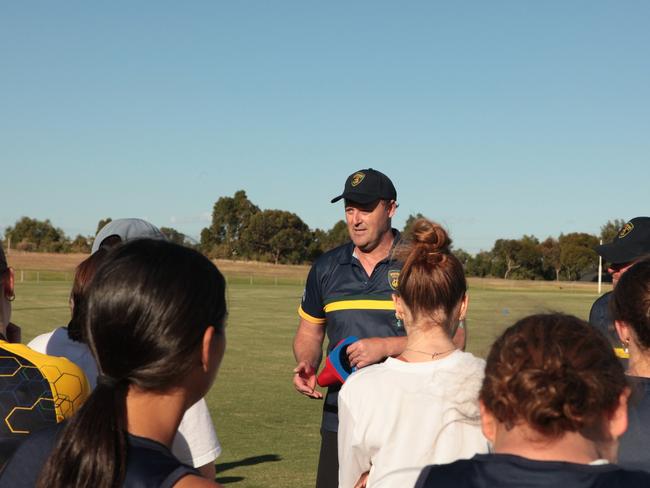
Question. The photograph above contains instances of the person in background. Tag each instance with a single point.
(553, 405)
(69, 341)
(196, 443)
(630, 307)
(36, 390)
(420, 407)
(630, 244)
(154, 322)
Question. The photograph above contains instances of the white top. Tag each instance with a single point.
(397, 417)
(196, 441)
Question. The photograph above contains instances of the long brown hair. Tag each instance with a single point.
(147, 309)
(553, 372)
(630, 301)
(432, 281)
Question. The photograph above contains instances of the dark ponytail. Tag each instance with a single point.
(147, 309)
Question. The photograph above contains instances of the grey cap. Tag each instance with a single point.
(127, 230)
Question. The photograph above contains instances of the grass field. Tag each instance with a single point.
(269, 433)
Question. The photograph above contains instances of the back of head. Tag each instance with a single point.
(630, 301)
(148, 308)
(432, 281)
(82, 278)
(554, 373)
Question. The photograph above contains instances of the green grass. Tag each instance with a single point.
(269, 433)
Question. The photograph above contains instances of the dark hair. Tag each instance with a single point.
(147, 310)
(432, 280)
(82, 278)
(630, 302)
(555, 373)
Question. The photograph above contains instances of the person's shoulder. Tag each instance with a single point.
(363, 378)
(40, 342)
(630, 478)
(445, 475)
(342, 253)
(475, 362)
(601, 302)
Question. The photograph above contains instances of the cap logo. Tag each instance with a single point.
(357, 178)
(627, 228)
(393, 278)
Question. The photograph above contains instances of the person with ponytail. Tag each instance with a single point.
(553, 404)
(420, 407)
(154, 320)
(630, 309)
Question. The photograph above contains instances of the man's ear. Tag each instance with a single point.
(392, 208)
(488, 423)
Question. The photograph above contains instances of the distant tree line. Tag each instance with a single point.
(240, 230)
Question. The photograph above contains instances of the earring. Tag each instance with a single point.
(626, 346)
(398, 321)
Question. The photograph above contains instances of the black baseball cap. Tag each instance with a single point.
(366, 186)
(631, 243)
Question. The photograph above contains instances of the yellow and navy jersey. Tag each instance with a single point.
(340, 296)
(36, 390)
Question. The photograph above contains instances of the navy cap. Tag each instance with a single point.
(631, 243)
(367, 186)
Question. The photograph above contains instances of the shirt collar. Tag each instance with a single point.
(348, 252)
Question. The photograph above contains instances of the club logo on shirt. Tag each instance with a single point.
(393, 278)
(627, 228)
(357, 178)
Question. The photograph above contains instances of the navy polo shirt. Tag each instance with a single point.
(340, 296)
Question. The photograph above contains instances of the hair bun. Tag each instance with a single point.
(431, 236)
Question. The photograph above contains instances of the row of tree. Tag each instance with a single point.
(241, 230)
(35, 235)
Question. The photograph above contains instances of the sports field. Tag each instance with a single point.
(269, 433)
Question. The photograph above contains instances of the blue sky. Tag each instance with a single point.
(497, 119)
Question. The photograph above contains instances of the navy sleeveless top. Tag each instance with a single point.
(149, 464)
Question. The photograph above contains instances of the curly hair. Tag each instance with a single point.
(554, 373)
(630, 301)
(432, 281)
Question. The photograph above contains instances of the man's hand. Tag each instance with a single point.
(367, 351)
(304, 380)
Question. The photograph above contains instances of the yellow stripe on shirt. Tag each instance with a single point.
(359, 305)
(621, 354)
(310, 318)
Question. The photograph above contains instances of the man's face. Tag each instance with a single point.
(617, 270)
(368, 223)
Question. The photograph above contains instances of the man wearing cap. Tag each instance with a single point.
(348, 293)
(631, 244)
(36, 390)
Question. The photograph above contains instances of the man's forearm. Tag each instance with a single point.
(395, 345)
